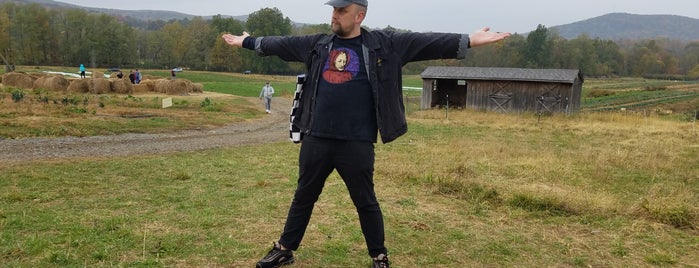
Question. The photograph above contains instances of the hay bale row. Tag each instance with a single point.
(176, 86)
(20, 80)
(100, 85)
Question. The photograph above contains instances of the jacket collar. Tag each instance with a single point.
(370, 43)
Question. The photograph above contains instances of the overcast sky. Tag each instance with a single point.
(457, 16)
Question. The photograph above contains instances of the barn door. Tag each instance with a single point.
(501, 97)
(549, 102)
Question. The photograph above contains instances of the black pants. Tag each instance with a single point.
(354, 161)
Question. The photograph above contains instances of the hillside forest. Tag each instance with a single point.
(31, 34)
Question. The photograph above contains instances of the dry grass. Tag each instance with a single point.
(479, 189)
(47, 113)
(579, 173)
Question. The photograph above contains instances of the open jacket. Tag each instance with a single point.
(385, 53)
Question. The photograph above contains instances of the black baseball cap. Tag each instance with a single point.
(344, 3)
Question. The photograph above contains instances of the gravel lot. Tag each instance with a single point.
(271, 127)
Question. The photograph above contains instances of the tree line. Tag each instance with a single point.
(33, 35)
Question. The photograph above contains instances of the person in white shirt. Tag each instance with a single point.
(267, 93)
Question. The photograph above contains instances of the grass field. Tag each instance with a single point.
(479, 189)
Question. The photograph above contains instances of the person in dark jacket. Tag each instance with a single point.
(352, 91)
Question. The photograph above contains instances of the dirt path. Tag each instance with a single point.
(272, 127)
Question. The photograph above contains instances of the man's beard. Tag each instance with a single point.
(337, 29)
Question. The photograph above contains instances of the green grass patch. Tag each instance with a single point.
(456, 193)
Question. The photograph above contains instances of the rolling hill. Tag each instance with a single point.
(617, 26)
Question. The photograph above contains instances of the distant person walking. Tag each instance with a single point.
(137, 77)
(82, 71)
(173, 75)
(267, 92)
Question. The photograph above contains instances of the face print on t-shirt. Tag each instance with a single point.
(342, 66)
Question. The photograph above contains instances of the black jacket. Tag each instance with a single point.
(385, 54)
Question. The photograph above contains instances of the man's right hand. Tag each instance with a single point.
(235, 40)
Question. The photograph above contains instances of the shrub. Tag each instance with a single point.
(533, 203)
(678, 216)
(596, 93)
(17, 95)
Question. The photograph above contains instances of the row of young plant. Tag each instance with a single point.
(636, 99)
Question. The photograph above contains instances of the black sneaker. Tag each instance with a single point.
(380, 261)
(277, 257)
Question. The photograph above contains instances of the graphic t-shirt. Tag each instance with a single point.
(345, 105)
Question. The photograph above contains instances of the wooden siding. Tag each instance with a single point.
(490, 88)
(509, 96)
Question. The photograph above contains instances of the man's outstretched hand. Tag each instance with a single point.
(485, 36)
(235, 40)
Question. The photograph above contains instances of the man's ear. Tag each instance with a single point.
(360, 17)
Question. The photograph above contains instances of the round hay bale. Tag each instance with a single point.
(142, 88)
(20, 80)
(79, 86)
(160, 85)
(99, 85)
(122, 86)
(198, 87)
(174, 87)
(40, 83)
(149, 85)
(179, 87)
(53, 83)
(97, 74)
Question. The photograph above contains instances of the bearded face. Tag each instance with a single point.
(346, 21)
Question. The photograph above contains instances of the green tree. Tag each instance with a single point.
(177, 43)
(694, 73)
(154, 48)
(107, 41)
(649, 58)
(224, 57)
(201, 38)
(29, 32)
(690, 57)
(610, 59)
(583, 55)
(267, 22)
(71, 26)
(537, 51)
(5, 27)
(220, 25)
(313, 29)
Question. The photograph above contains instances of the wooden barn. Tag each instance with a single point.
(502, 89)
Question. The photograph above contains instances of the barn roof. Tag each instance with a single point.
(502, 74)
